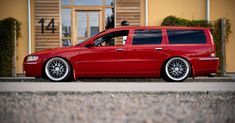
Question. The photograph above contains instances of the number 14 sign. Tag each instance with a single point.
(50, 26)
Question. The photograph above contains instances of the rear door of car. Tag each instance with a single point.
(146, 52)
(192, 43)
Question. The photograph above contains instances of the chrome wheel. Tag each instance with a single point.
(57, 69)
(177, 69)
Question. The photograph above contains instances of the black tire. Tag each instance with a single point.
(57, 69)
(176, 69)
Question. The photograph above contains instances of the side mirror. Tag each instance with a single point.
(89, 45)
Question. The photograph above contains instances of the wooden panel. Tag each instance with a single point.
(46, 9)
(128, 10)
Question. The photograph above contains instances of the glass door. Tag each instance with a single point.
(87, 24)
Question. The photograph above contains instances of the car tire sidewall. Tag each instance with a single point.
(68, 71)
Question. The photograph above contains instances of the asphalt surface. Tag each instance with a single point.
(116, 87)
(117, 107)
(197, 79)
(117, 101)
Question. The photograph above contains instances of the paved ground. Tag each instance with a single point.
(117, 107)
(201, 100)
(115, 87)
(228, 78)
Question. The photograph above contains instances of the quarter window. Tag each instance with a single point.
(186, 36)
(147, 37)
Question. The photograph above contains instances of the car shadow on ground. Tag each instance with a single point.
(202, 79)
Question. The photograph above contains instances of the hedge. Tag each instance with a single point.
(215, 26)
(174, 21)
(7, 35)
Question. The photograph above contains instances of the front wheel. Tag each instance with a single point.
(176, 69)
(57, 69)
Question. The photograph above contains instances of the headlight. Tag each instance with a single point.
(32, 58)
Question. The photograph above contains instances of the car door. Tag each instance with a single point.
(146, 52)
(106, 58)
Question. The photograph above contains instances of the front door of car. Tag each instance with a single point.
(106, 58)
(146, 52)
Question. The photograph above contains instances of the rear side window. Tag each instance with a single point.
(147, 37)
(186, 36)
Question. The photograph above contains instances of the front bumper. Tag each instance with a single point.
(33, 69)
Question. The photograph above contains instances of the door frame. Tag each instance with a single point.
(74, 20)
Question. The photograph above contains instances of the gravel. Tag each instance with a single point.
(117, 107)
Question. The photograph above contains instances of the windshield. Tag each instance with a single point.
(90, 37)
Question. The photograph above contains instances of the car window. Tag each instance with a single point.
(186, 36)
(90, 38)
(117, 38)
(147, 37)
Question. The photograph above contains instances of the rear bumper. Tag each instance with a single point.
(205, 66)
(208, 59)
(211, 74)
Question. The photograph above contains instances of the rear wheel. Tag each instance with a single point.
(176, 69)
(57, 69)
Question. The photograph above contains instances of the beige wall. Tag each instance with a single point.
(220, 9)
(18, 10)
(158, 10)
(142, 12)
(196, 9)
(33, 49)
(189, 9)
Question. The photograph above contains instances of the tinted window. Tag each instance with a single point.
(186, 36)
(113, 39)
(147, 37)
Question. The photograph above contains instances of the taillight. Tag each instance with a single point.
(213, 48)
(212, 55)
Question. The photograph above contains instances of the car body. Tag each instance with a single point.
(144, 51)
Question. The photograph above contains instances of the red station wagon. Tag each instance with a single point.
(173, 53)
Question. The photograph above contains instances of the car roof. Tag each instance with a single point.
(154, 27)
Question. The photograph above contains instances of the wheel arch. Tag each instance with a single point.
(66, 59)
(192, 74)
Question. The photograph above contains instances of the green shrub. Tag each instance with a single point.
(216, 30)
(7, 35)
(174, 21)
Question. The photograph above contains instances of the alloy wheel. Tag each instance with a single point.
(57, 69)
(177, 69)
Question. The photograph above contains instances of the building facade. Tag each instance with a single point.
(57, 23)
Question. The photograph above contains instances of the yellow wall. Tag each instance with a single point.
(158, 10)
(226, 8)
(196, 9)
(18, 10)
(142, 12)
(32, 27)
(189, 9)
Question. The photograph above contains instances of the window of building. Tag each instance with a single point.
(147, 37)
(109, 2)
(186, 36)
(111, 38)
(87, 2)
(66, 27)
(65, 2)
(109, 18)
(87, 17)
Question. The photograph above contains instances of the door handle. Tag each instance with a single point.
(159, 48)
(119, 49)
